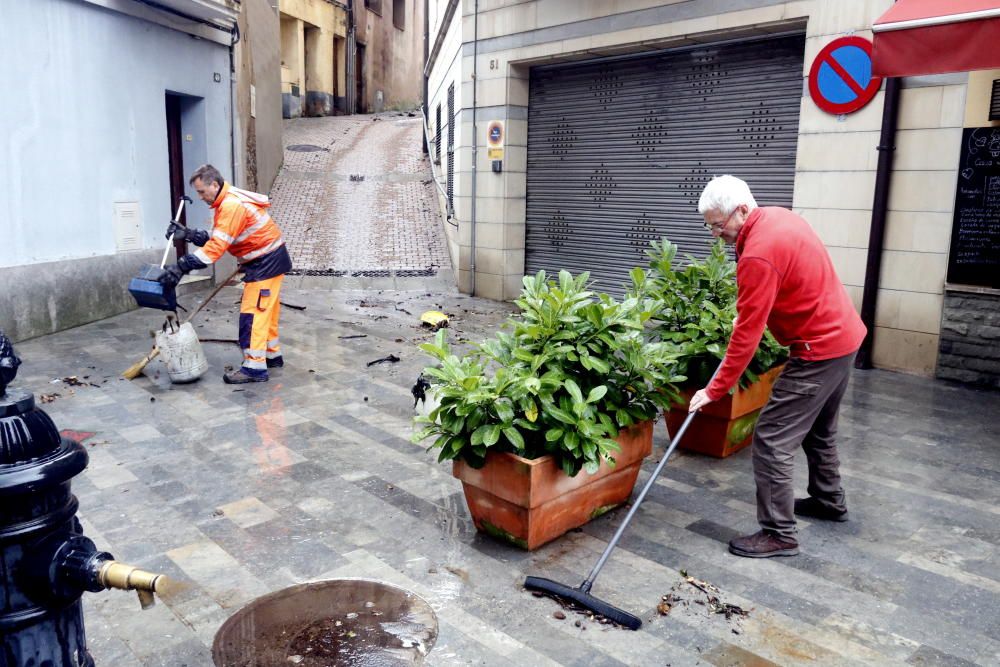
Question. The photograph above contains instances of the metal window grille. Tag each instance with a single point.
(995, 101)
(451, 147)
(437, 136)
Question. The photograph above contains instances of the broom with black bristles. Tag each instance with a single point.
(580, 595)
(136, 369)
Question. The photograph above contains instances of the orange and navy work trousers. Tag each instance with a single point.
(259, 311)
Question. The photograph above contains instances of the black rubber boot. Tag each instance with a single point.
(239, 377)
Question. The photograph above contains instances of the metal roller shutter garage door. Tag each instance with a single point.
(619, 150)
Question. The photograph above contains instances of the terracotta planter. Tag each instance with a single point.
(725, 426)
(529, 502)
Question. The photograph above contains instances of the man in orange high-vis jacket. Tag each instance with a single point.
(244, 229)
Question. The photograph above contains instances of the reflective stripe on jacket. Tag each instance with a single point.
(242, 226)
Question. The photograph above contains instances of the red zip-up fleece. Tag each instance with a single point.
(786, 281)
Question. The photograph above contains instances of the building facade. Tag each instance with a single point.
(257, 64)
(389, 38)
(615, 114)
(118, 103)
(313, 58)
(360, 56)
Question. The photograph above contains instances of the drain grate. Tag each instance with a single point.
(416, 273)
(306, 148)
(366, 273)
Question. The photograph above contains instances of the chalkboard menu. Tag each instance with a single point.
(975, 232)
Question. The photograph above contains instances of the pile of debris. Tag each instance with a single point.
(733, 613)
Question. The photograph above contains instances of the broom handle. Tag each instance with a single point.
(156, 350)
(589, 581)
(218, 288)
(170, 239)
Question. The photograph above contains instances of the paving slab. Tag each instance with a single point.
(239, 491)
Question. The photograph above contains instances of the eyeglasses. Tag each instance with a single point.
(712, 226)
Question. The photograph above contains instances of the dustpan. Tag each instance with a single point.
(146, 288)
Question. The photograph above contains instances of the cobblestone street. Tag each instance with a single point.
(355, 196)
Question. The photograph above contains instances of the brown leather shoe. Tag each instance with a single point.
(763, 544)
(813, 508)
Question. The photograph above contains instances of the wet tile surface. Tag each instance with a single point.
(236, 492)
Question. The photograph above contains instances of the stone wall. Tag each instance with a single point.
(970, 337)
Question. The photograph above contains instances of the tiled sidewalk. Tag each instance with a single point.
(239, 491)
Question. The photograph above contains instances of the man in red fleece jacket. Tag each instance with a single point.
(786, 281)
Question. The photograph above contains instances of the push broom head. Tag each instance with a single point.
(578, 598)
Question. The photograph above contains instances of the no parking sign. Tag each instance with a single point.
(840, 80)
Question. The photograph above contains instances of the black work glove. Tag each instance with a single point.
(172, 275)
(199, 237)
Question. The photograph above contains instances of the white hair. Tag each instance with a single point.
(723, 194)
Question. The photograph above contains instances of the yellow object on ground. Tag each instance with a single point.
(434, 319)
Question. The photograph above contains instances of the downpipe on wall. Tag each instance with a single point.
(233, 115)
(880, 209)
(475, 148)
(427, 102)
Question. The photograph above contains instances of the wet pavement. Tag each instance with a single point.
(237, 492)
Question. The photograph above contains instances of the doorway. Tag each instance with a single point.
(175, 156)
(359, 79)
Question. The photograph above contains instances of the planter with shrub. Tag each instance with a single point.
(548, 422)
(698, 308)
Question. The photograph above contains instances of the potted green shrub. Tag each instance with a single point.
(697, 315)
(548, 422)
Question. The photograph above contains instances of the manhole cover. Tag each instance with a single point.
(328, 624)
(306, 148)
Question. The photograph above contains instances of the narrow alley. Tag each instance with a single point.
(355, 198)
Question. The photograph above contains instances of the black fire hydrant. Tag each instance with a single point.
(46, 563)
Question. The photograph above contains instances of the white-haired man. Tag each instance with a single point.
(786, 281)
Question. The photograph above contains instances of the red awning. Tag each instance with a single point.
(934, 36)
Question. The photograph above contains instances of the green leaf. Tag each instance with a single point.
(514, 437)
(492, 435)
(572, 440)
(561, 415)
(479, 435)
(600, 365)
(554, 434)
(597, 393)
(505, 412)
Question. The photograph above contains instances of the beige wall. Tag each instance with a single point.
(310, 33)
(835, 164)
(835, 183)
(394, 58)
(258, 64)
(292, 53)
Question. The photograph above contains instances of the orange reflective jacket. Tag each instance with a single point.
(242, 226)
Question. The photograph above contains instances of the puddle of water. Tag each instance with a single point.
(357, 622)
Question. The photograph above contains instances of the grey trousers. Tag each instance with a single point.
(802, 411)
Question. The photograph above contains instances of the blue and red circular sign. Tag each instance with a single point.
(840, 80)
